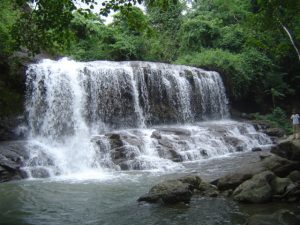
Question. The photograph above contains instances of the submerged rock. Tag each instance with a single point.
(280, 217)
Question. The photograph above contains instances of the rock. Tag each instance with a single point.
(280, 166)
(207, 190)
(261, 125)
(8, 128)
(275, 132)
(12, 157)
(295, 176)
(170, 192)
(39, 172)
(280, 217)
(279, 185)
(256, 149)
(289, 149)
(114, 140)
(176, 131)
(231, 181)
(156, 134)
(255, 190)
(235, 143)
(193, 180)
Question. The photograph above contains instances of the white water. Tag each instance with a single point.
(91, 118)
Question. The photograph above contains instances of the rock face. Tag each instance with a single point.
(12, 156)
(8, 128)
(255, 190)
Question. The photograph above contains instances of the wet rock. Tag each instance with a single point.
(261, 125)
(203, 152)
(135, 164)
(280, 185)
(114, 140)
(289, 149)
(275, 132)
(194, 181)
(12, 157)
(156, 134)
(280, 217)
(236, 143)
(256, 149)
(39, 172)
(280, 166)
(170, 192)
(295, 176)
(176, 131)
(231, 181)
(207, 190)
(8, 128)
(255, 190)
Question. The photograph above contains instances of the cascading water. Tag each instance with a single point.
(94, 115)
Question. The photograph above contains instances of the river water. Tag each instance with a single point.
(111, 198)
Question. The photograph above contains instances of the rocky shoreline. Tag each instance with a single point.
(275, 179)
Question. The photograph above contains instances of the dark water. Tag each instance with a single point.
(112, 201)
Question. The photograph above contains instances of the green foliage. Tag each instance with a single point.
(278, 118)
(8, 16)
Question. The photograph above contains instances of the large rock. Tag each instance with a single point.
(231, 181)
(280, 185)
(280, 166)
(280, 217)
(170, 191)
(295, 176)
(179, 190)
(255, 190)
(289, 149)
(12, 157)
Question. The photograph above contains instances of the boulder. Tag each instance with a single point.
(280, 166)
(295, 176)
(207, 190)
(280, 185)
(170, 191)
(231, 181)
(289, 149)
(280, 217)
(255, 190)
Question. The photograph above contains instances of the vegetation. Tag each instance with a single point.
(253, 44)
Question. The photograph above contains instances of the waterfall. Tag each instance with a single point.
(126, 116)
